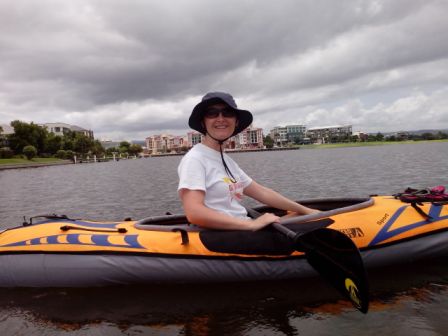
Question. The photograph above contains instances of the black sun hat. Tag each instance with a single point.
(195, 122)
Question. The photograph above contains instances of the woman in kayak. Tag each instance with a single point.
(211, 184)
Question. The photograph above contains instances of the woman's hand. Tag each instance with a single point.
(264, 220)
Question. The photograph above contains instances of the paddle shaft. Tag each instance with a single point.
(283, 229)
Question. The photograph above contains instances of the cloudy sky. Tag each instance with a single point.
(131, 68)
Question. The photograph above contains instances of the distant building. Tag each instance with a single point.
(62, 128)
(329, 134)
(250, 138)
(110, 144)
(283, 135)
(279, 135)
(402, 136)
(360, 136)
(165, 143)
(194, 138)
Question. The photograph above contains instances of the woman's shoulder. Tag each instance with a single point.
(194, 154)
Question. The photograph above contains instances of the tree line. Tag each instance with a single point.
(32, 140)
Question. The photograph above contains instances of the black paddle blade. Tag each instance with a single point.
(335, 257)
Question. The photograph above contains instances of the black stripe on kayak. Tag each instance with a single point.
(267, 241)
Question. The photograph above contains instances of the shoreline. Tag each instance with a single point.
(312, 146)
(34, 164)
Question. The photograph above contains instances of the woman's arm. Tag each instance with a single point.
(274, 199)
(199, 214)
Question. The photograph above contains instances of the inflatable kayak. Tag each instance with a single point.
(57, 251)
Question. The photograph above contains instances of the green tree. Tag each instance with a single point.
(379, 137)
(68, 140)
(135, 149)
(442, 135)
(29, 151)
(428, 136)
(1, 137)
(82, 144)
(27, 135)
(268, 141)
(53, 143)
(124, 147)
(111, 150)
(97, 148)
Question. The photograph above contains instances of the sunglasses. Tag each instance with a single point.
(214, 113)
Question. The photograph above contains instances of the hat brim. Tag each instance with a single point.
(244, 117)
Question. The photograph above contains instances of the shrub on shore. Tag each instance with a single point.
(29, 152)
(61, 154)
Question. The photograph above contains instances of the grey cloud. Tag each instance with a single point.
(285, 60)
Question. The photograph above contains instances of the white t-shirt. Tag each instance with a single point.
(202, 169)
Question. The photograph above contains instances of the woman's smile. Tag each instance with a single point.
(220, 123)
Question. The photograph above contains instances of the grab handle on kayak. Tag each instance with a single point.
(71, 227)
(49, 216)
(184, 236)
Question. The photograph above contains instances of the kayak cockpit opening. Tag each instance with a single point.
(328, 206)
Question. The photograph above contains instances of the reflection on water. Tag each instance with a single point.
(413, 300)
(408, 300)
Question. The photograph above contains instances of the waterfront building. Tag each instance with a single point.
(250, 138)
(165, 143)
(360, 136)
(62, 128)
(110, 144)
(279, 135)
(194, 138)
(329, 134)
(289, 134)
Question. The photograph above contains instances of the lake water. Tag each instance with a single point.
(411, 300)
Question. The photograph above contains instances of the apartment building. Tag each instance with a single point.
(329, 134)
(282, 135)
(250, 138)
(62, 128)
(165, 143)
(194, 138)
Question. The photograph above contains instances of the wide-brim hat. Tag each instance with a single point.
(244, 117)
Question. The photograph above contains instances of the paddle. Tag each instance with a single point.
(336, 258)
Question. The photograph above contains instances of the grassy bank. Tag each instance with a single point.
(364, 144)
(20, 161)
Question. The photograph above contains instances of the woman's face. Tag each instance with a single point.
(220, 121)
